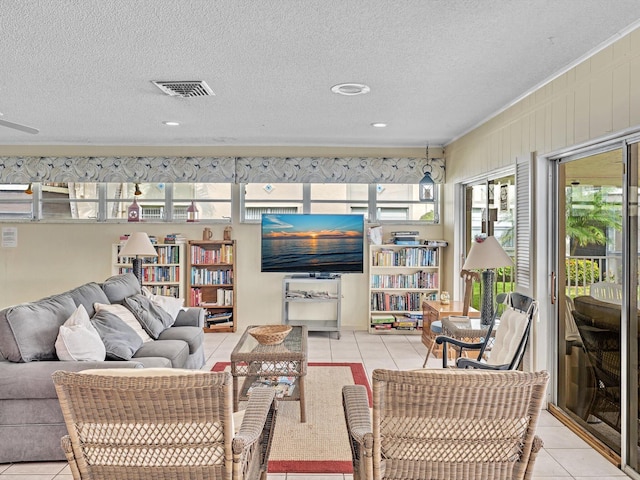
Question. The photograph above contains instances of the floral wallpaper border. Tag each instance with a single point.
(220, 169)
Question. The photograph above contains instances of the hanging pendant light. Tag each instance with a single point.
(428, 190)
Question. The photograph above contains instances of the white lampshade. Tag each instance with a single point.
(487, 253)
(138, 244)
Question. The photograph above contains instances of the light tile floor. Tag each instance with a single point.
(565, 456)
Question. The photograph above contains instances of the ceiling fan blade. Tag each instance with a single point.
(17, 126)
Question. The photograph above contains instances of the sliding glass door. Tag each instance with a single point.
(597, 295)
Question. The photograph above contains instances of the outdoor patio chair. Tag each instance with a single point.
(606, 291)
(602, 347)
(505, 349)
(162, 424)
(445, 424)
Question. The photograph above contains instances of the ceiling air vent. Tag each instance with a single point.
(185, 89)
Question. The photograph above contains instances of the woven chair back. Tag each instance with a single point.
(138, 426)
(455, 424)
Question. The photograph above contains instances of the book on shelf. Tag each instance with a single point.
(405, 233)
(228, 323)
(408, 238)
(219, 319)
(435, 243)
(404, 324)
(383, 326)
(380, 319)
(173, 238)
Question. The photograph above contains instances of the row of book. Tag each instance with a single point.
(207, 256)
(407, 321)
(381, 301)
(166, 254)
(223, 298)
(164, 290)
(203, 276)
(420, 279)
(156, 274)
(405, 257)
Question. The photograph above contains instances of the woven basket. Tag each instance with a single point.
(270, 334)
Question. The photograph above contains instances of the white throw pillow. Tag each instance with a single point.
(126, 316)
(78, 340)
(171, 305)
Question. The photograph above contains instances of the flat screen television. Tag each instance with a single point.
(318, 245)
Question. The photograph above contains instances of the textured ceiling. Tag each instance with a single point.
(81, 71)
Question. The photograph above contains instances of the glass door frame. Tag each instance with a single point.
(463, 235)
(630, 252)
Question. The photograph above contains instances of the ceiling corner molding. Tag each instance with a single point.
(220, 169)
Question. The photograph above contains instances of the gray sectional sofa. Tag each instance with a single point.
(31, 422)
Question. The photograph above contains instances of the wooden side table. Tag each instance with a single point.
(434, 310)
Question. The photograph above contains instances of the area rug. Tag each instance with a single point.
(321, 444)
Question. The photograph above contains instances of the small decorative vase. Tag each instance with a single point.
(444, 298)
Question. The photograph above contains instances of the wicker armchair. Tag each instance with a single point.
(445, 424)
(162, 424)
(505, 349)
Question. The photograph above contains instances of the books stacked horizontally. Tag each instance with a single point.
(219, 319)
(405, 238)
(389, 321)
(172, 238)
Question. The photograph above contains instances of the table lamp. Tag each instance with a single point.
(138, 245)
(486, 254)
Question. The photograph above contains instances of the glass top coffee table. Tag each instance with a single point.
(281, 366)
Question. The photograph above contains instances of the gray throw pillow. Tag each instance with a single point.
(35, 327)
(88, 294)
(120, 340)
(119, 287)
(152, 318)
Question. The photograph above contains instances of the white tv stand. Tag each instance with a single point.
(302, 299)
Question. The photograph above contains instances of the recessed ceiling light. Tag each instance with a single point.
(171, 124)
(379, 125)
(351, 89)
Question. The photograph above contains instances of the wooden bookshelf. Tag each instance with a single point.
(401, 277)
(211, 279)
(162, 275)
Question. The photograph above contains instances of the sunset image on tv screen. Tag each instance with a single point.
(312, 243)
